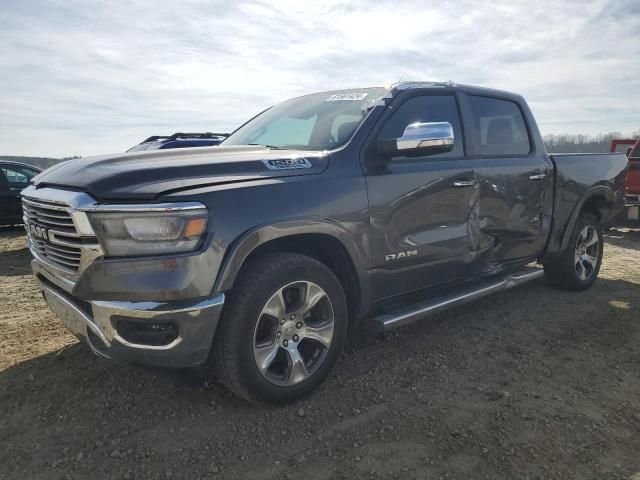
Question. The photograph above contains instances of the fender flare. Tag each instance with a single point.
(597, 191)
(246, 243)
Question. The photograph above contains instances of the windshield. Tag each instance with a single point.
(319, 121)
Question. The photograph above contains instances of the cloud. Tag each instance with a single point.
(88, 77)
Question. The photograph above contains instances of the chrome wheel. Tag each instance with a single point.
(293, 333)
(587, 252)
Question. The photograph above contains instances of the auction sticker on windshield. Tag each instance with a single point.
(341, 97)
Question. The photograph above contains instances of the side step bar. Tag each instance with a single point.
(405, 316)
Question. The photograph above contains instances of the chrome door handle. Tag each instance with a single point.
(464, 183)
(537, 176)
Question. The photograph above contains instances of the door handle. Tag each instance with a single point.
(464, 183)
(537, 176)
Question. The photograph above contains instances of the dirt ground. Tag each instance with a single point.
(531, 383)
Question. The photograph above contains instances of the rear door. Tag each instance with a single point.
(419, 206)
(515, 179)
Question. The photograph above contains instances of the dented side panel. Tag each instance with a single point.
(423, 231)
(514, 207)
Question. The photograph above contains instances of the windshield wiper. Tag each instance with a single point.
(272, 147)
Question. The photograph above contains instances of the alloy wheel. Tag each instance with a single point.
(587, 252)
(293, 333)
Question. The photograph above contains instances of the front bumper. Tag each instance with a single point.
(95, 322)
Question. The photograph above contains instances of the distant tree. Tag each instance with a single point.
(581, 143)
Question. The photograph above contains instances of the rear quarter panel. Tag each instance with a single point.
(580, 176)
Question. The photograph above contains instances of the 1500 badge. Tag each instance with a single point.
(287, 163)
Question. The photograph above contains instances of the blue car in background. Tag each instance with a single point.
(180, 140)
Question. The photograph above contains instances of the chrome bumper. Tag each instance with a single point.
(95, 322)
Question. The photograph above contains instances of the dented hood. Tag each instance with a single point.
(146, 175)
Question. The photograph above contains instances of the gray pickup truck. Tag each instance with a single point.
(371, 207)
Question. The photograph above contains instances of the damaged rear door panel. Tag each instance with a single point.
(514, 209)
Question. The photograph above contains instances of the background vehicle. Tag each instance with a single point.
(632, 181)
(373, 207)
(180, 140)
(14, 177)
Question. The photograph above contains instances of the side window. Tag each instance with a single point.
(427, 108)
(17, 175)
(499, 127)
(286, 130)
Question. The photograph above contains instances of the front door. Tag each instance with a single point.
(419, 206)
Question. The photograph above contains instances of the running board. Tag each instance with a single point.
(417, 311)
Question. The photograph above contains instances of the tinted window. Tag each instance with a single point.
(433, 108)
(16, 175)
(499, 127)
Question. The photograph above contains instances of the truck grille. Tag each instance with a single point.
(52, 233)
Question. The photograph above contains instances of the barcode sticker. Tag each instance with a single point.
(346, 97)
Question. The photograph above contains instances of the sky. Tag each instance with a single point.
(84, 77)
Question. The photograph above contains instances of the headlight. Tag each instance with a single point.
(161, 229)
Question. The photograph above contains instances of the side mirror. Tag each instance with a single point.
(420, 139)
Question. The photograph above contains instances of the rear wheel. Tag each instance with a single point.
(577, 267)
(282, 330)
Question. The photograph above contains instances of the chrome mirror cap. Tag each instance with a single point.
(423, 135)
(420, 138)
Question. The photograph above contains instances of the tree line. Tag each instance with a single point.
(582, 143)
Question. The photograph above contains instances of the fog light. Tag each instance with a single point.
(147, 333)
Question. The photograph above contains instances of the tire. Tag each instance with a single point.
(577, 267)
(261, 329)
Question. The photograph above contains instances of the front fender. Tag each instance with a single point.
(240, 250)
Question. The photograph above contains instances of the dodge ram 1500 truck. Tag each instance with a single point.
(373, 207)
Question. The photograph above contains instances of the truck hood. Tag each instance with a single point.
(146, 175)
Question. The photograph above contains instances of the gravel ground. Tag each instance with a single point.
(530, 383)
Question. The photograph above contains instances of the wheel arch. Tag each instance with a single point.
(598, 201)
(321, 239)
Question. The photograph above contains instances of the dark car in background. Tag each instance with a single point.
(180, 140)
(14, 177)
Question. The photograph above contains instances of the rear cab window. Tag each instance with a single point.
(498, 127)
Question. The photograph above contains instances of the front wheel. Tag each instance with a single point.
(577, 267)
(282, 330)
